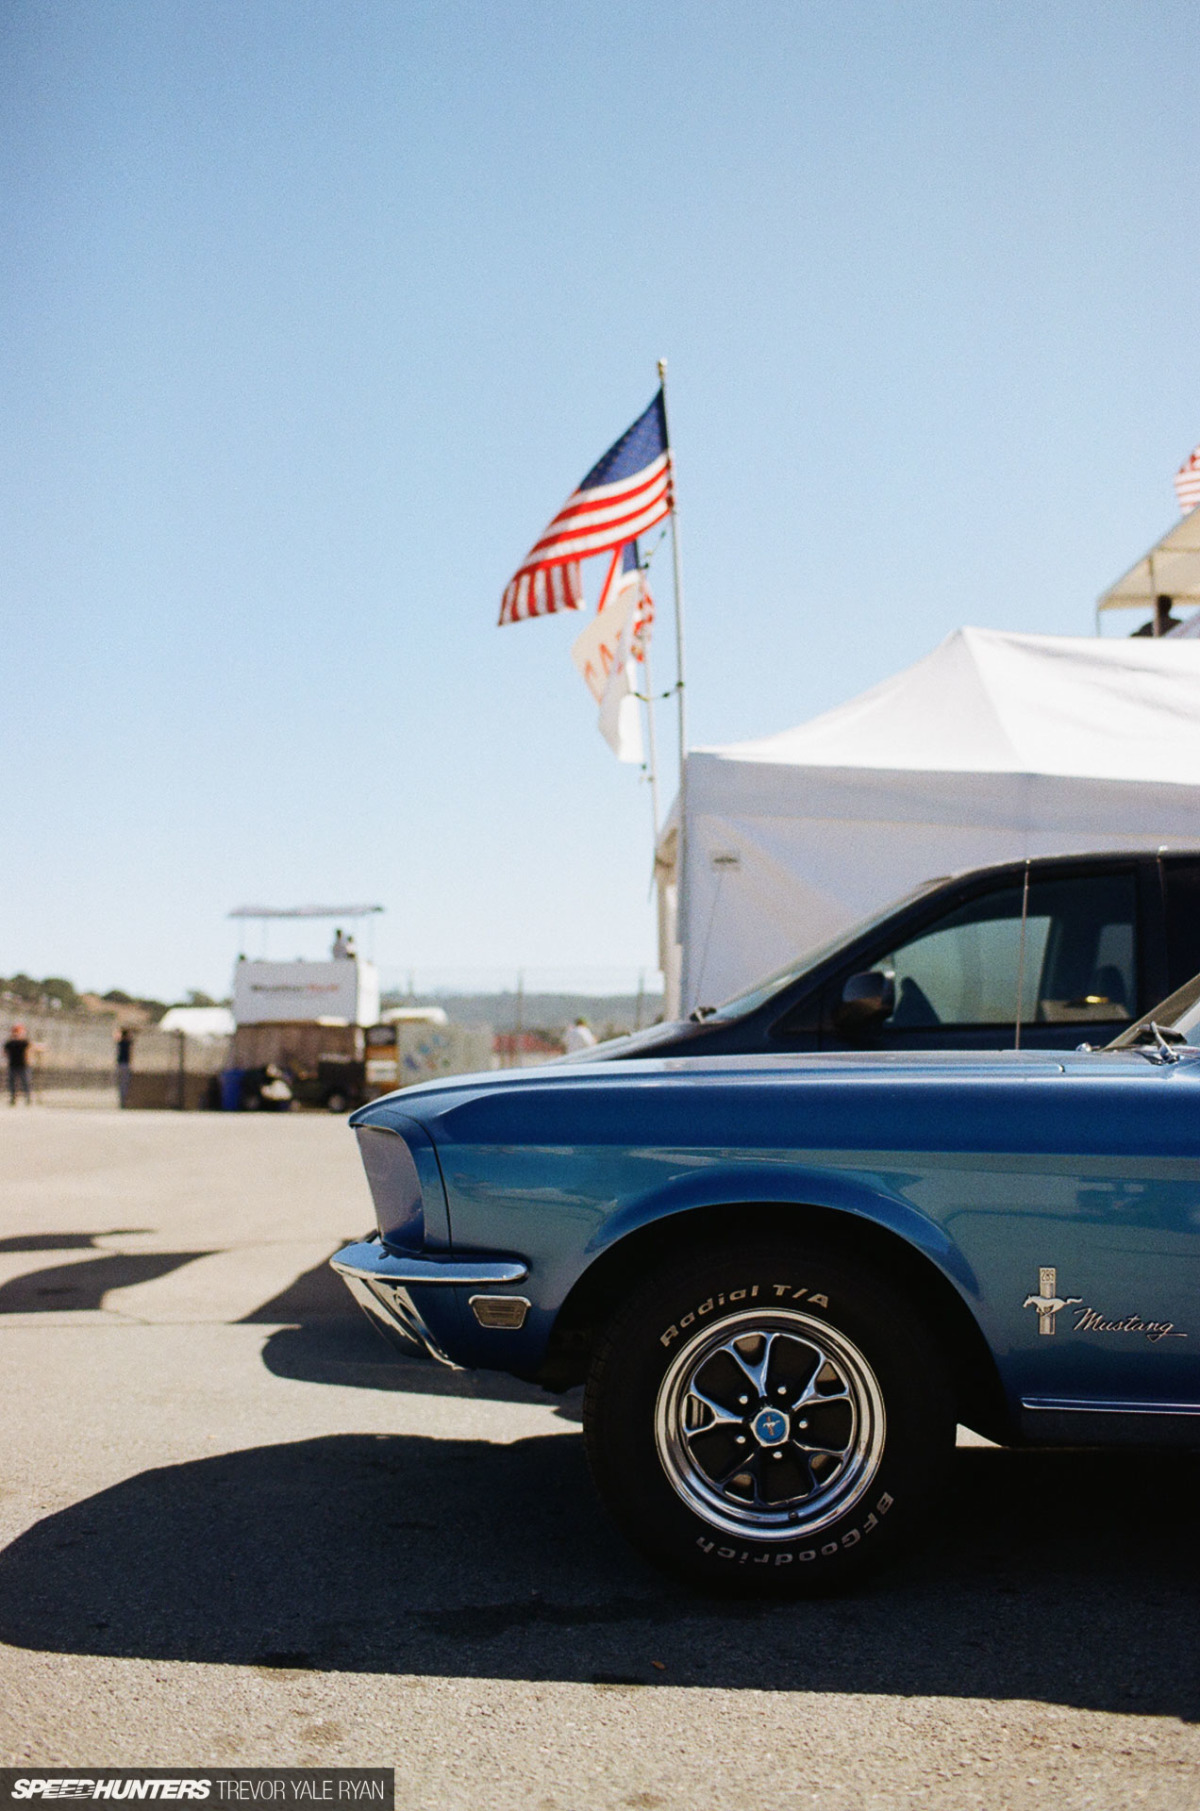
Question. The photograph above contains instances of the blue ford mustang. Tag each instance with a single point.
(785, 1279)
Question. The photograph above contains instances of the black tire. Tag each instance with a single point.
(850, 1368)
(252, 1101)
(337, 1101)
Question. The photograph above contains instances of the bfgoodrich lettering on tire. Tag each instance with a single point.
(770, 1416)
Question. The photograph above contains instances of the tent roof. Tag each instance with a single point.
(1170, 569)
(987, 702)
(305, 911)
(198, 1021)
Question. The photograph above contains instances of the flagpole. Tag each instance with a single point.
(681, 844)
(651, 742)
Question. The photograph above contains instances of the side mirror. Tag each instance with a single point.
(866, 1001)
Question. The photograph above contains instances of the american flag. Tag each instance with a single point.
(625, 493)
(1187, 482)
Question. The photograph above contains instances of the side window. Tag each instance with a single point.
(1182, 883)
(964, 970)
(1090, 966)
(1078, 965)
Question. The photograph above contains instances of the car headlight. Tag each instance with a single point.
(395, 1186)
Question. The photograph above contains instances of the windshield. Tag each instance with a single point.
(1178, 1015)
(758, 996)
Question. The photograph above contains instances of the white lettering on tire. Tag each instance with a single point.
(851, 1538)
(737, 1295)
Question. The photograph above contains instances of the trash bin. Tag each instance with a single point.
(231, 1090)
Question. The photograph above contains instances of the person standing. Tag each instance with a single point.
(580, 1036)
(124, 1039)
(16, 1052)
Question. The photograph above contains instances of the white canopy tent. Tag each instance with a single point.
(992, 748)
(1170, 570)
(198, 1021)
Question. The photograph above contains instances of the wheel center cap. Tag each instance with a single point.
(770, 1427)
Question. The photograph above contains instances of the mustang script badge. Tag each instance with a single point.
(1048, 1302)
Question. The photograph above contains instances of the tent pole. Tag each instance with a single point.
(681, 844)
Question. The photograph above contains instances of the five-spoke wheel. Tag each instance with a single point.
(769, 1423)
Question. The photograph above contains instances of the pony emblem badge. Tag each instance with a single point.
(1048, 1302)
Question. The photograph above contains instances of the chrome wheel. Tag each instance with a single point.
(770, 1424)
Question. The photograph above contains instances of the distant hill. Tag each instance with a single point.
(608, 1014)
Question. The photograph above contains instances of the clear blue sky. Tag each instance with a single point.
(313, 314)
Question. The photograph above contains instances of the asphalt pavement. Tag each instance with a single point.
(236, 1532)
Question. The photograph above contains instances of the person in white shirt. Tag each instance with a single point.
(579, 1036)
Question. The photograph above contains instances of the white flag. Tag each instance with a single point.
(620, 719)
(608, 654)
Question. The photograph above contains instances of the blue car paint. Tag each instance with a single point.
(989, 1166)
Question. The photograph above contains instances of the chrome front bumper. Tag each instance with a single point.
(380, 1280)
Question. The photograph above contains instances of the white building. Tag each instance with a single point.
(341, 992)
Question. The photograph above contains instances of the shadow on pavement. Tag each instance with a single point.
(65, 1241)
(84, 1286)
(1061, 1577)
(318, 1294)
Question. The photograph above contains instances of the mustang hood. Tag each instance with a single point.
(616, 1095)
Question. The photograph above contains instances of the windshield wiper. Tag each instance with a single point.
(698, 1014)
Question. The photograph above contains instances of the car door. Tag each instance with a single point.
(1068, 949)
(1084, 1235)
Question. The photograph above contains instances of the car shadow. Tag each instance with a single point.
(331, 1340)
(1059, 1577)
